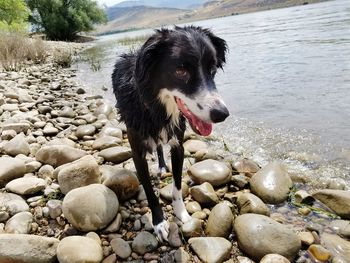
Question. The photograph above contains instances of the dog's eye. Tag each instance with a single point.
(182, 74)
(213, 71)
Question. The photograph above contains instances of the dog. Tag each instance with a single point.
(168, 81)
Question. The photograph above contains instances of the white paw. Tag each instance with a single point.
(162, 231)
(184, 216)
(162, 170)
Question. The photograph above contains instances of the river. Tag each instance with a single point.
(286, 83)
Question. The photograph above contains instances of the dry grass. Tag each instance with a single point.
(129, 41)
(63, 58)
(17, 50)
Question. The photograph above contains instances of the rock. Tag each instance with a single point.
(249, 203)
(20, 223)
(192, 228)
(193, 207)
(220, 221)
(13, 203)
(181, 256)
(77, 249)
(174, 238)
(205, 154)
(57, 155)
(67, 112)
(46, 171)
(115, 225)
(62, 141)
(121, 248)
(32, 167)
(55, 208)
(204, 194)
(274, 238)
(18, 145)
(8, 135)
(105, 142)
(306, 238)
(122, 181)
(144, 242)
(246, 167)
(337, 200)
(117, 154)
(94, 237)
(84, 130)
(272, 183)
(112, 131)
(81, 172)
(214, 172)
(18, 127)
(27, 248)
(240, 180)
(91, 207)
(303, 197)
(274, 258)
(336, 245)
(167, 191)
(50, 130)
(193, 146)
(211, 249)
(11, 168)
(319, 252)
(80, 91)
(104, 109)
(26, 185)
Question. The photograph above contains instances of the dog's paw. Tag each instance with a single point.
(162, 231)
(184, 216)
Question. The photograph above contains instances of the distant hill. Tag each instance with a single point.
(126, 15)
(180, 4)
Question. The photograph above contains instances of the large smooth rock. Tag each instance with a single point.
(211, 249)
(246, 167)
(336, 245)
(57, 155)
(17, 145)
(274, 258)
(249, 203)
(105, 142)
(20, 223)
(272, 183)
(84, 130)
(91, 207)
(19, 248)
(214, 172)
(81, 172)
(204, 194)
(11, 168)
(13, 203)
(193, 146)
(78, 249)
(26, 185)
(144, 242)
(220, 221)
(116, 154)
(337, 200)
(121, 248)
(259, 235)
(18, 127)
(122, 181)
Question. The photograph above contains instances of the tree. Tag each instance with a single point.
(13, 15)
(64, 19)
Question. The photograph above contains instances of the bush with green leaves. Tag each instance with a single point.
(13, 15)
(64, 19)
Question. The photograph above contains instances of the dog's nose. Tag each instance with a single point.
(219, 114)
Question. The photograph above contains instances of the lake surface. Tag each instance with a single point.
(286, 83)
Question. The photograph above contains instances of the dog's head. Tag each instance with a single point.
(178, 68)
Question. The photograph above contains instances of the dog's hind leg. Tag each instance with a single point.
(162, 166)
(177, 158)
(160, 225)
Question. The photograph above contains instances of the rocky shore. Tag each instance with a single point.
(69, 190)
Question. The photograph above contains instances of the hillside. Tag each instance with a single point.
(126, 18)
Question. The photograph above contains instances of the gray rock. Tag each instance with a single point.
(26, 186)
(246, 167)
(18, 145)
(27, 248)
(32, 167)
(181, 256)
(81, 172)
(274, 258)
(4, 216)
(46, 171)
(174, 238)
(117, 154)
(204, 194)
(111, 131)
(211, 249)
(9, 107)
(192, 228)
(272, 183)
(11, 168)
(144, 242)
(122, 181)
(167, 191)
(273, 238)
(55, 208)
(91, 207)
(303, 197)
(193, 146)
(84, 130)
(67, 112)
(105, 142)
(61, 141)
(336, 245)
(214, 172)
(220, 221)
(13, 203)
(8, 135)
(20, 223)
(337, 200)
(249, 203)
(115, 225)
(77, 249)
(121, 248)
(50, 130)
(57, 155)
(104, 109)
(18, 127)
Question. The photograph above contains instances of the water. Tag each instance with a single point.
(286, 83)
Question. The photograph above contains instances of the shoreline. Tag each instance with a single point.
(66, 171)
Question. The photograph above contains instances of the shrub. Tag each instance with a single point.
(13, 15)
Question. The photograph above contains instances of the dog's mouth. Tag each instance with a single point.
(198, 126)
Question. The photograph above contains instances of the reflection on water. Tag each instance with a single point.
(286, 82)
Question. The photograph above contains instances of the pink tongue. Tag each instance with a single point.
(200, 127)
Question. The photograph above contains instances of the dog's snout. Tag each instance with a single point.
(219, 113)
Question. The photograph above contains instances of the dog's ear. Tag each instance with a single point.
(220, 47)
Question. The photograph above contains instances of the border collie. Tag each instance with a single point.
(169, 80)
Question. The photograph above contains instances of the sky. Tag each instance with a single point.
(109, 2)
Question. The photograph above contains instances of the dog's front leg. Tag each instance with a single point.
(177, 158)
(161, 227)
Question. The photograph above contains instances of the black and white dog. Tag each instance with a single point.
(170, 79)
